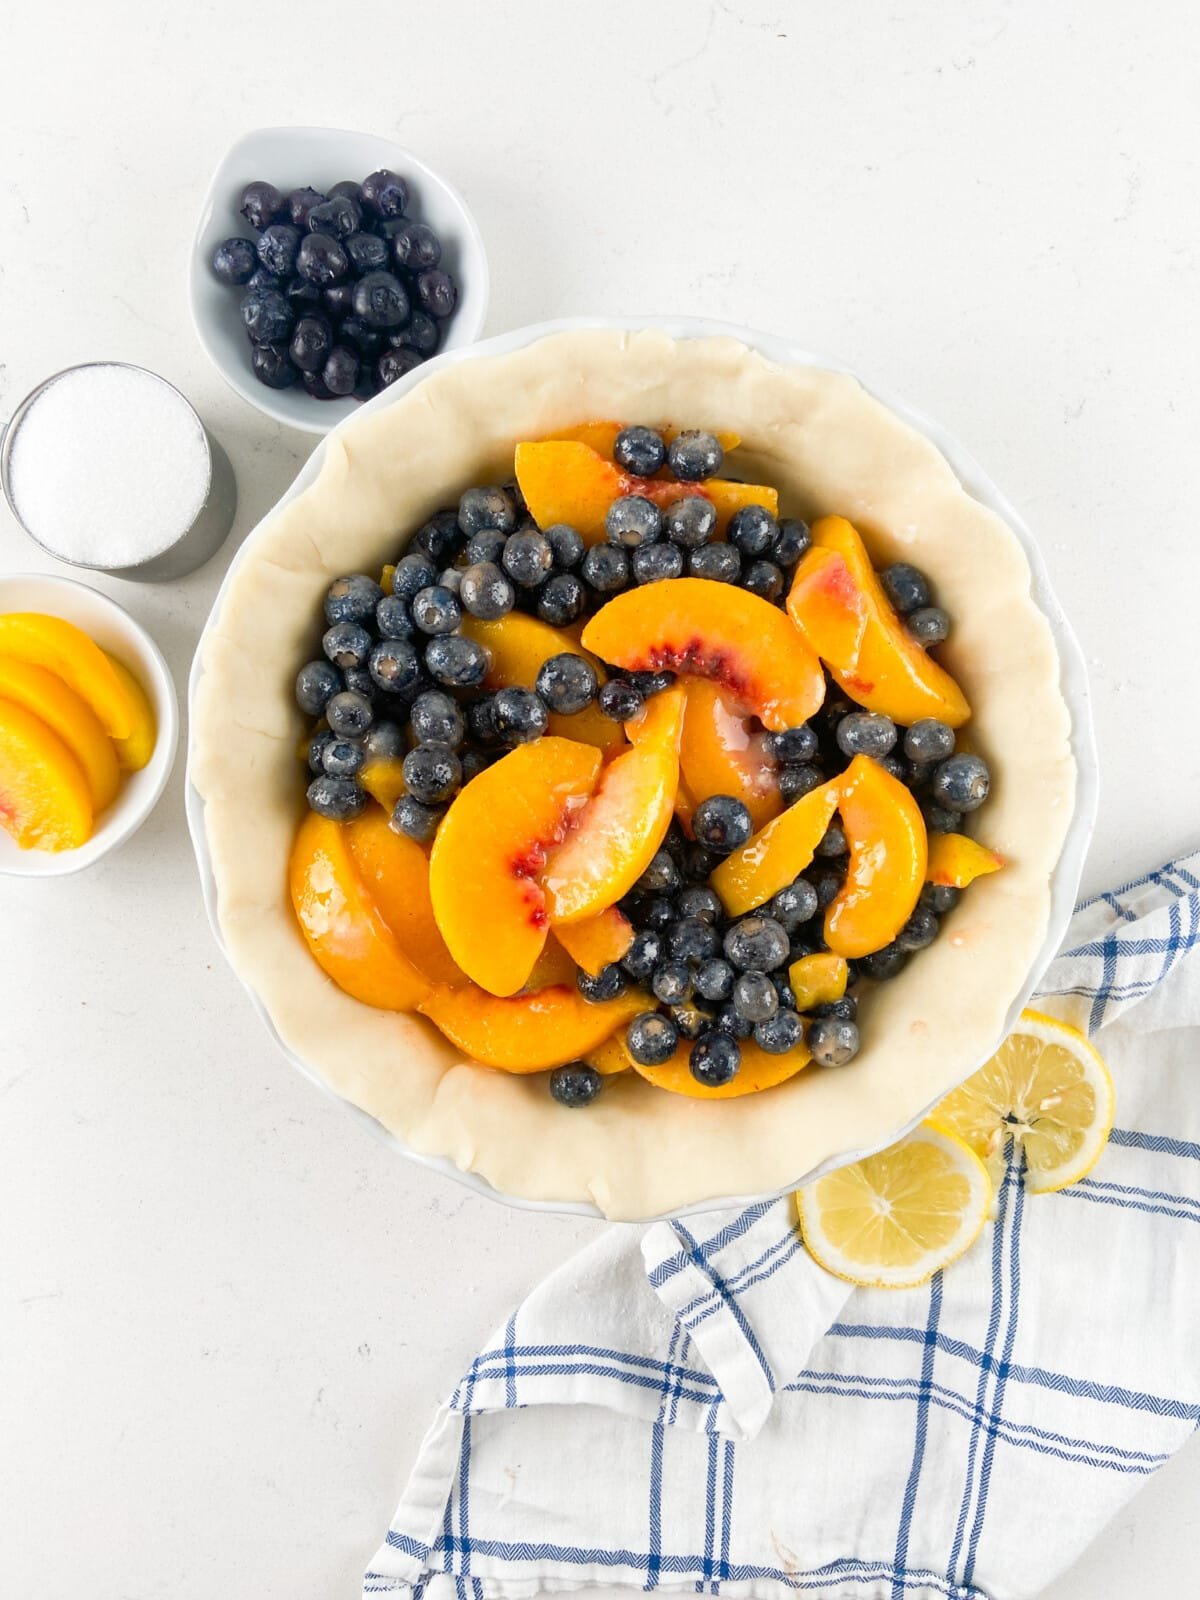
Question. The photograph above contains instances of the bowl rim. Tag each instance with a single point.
(1073, 684)
(468, 331)
(119, 828)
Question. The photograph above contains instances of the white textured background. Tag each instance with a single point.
(225, 1314)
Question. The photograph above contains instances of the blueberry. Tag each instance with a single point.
(730, 1021)
(315, 683)
(640, 451)
(260, 278)
(415, 820)
(420, 333)
(360, 680)
(693, 940)
(930, 625)
(866, 733)
(906, 587)
(338, 300)
(694, 456)
(764, 579)
(720, 562)
(338, 216)
(832, 1041)
(780, 1033)
(632, 520)
(347, 189)
(792, 542)
(260, 203)
(300, 202)
(606, 568)
(753, 529)
(437, 292)
(519, 715)
(961, 783)
(381, 300)
(304, 297)
(347, 644)
(527, 558)
(343, 758)
(439, 538)
(277, 247)
(654, 562)
(485, 592)
(412, 573)
(846, 1008)
(438, 719)
(561, 599)
(920, 930)
(929, 740)
(339, 799)
(268, 316)
(340, 372)
(690, 522)
(385, 742)
(473, 763)
(698, 900)
(271, 365)
(793, 904)
(481, 725)
(608, 983)
(651, 1038)
(883, 964)
(317, 747)
(714, 979)
(352, 598)
(566, 546)
(671, 983)
(795, 782)
(833, 842)
(416, 247)
(486, 508)
(393, 620)
(432, 773)
(575, 1084)
(619, 700)
(487, 545)
(395, 665)
(793, 744)
(754, 997)
(722, 823)
(234, 261)
(567, 682)
(435, 610)
(360, 336)
(312, 340)
(367, 252)
(939, 819)
(643, 955)
(662, 875)
(698, 861)
(826, 883)
(657, 912)
(456, 662)
(395, 364)
(314, 384)
(756, 944)
(715, 1057)
(385, 193)
(321, 260)
(692, 1019)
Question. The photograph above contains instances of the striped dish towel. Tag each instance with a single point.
(698, 1408)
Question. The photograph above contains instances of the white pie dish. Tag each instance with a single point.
(1072, 686)
(291, 158)
(111, 626)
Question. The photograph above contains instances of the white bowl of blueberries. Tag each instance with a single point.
(328, 264)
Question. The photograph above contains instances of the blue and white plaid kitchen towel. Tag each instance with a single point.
(701, 1409)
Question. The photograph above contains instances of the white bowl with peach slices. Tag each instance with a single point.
(639, 767)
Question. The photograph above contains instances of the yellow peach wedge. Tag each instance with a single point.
(71, 718)
(818, 979)
(526, 1032)
(62, 648)
(597, 941)
(758, 1071)
(394, 871)
(776, 854)
(135, 748)
(723, 751)
(888, 849)
(956, 860)
(45, 802)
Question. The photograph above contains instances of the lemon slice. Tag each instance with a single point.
(1047, 1088)
(893, 1219)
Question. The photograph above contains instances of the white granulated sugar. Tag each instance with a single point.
(108, 467)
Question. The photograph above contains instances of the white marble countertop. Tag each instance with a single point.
(225, 1314)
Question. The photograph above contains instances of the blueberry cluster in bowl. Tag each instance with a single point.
(343, 292)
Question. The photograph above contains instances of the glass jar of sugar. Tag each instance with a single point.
(107, 466)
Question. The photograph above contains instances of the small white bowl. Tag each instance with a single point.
(114, 630)
(290, 158)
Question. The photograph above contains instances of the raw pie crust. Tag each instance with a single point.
(828, 447)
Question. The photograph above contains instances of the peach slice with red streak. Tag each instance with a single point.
(888, 850)
(613, 838)
(955, 860)
(45, 802)
(758, 1071)
(394, 871)
(775, 855)
(517, 646)
(713, 630)
(723, 752)
(597, 941)
(526, 1032)
(838, 603)
(345, 932)
(602, 436)
(566, 481)
(489, 853)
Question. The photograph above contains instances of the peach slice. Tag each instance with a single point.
(72, 719)
(721, 752)
(490, 850)
(758, 1071)
(518, 645)
(956, 860)
(346, 934)
(839, 605)
(45, 802)
(596, 942)
(394, 871)
(612, 840)
(776, 855)
(819, 979)
(886, 834)
(713, 630)
(383, 779)
(526, 1032)
(611, 1057)
(136, 748)
(602, 436)
(61, 647)
(566, 481)
(553, 969)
